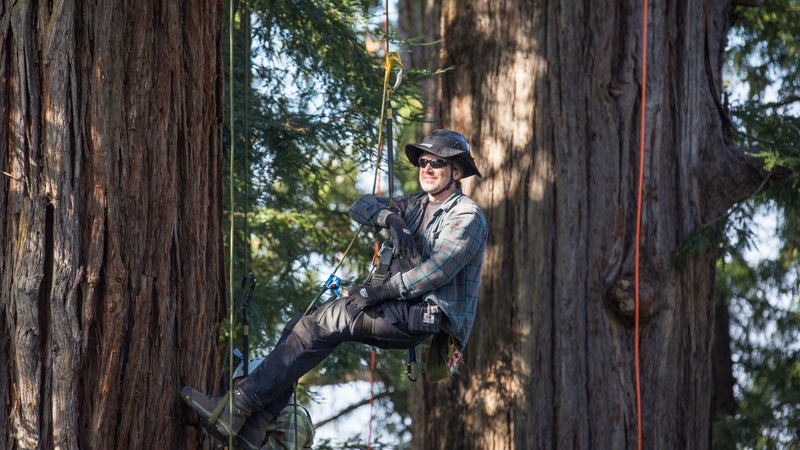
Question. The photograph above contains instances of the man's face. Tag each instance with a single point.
(433, 179)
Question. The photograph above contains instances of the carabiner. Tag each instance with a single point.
(393, 59)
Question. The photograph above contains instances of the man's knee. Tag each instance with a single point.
(333, 318)
(305, 331)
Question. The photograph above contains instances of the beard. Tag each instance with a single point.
(428, 186)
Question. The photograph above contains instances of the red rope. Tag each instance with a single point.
(371, 396)
(638, 233)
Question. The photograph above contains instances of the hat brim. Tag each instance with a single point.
(414, 151)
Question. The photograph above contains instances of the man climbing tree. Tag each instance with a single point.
(438, 238)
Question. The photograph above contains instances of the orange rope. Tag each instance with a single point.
(638, 233)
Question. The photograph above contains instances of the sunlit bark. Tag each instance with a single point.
(550, 96)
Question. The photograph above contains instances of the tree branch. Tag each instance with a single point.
(352, 407)
(735, 175)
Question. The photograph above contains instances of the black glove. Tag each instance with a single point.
(404, 245)
(364, 295)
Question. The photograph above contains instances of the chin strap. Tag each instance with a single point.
(452, 180)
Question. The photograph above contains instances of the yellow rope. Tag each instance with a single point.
(392, 60)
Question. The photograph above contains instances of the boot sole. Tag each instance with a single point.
(202, 413)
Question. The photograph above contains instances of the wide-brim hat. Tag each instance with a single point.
(447, 144)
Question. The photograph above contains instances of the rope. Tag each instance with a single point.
(335, 269)
(391, 60)
(232, 217)
(371, 397)
(247, 180)
(639, 232)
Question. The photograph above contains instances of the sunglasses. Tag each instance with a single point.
(435, 163)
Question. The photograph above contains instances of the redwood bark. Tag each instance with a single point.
(419, 21)
(549, 95)
(111, 268)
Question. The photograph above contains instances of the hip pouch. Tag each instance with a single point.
(424, 318)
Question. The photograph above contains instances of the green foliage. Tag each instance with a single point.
(764, 328)
(763, 296)
(765, 51)
(762, 62)
(763, 293)
(306, 100)
(776, 133)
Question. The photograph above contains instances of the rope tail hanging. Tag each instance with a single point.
(638, 232)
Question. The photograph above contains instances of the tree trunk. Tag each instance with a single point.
(111, 268)
(549, 95)
(420, 19)
(723, 402)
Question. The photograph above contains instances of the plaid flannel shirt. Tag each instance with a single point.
(452, 254)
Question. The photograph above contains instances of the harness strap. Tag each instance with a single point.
(382, 268)
(450, 183)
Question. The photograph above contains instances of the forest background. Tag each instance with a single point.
(154, 154)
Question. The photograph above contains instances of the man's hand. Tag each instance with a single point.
(364, 295)
(404, 244)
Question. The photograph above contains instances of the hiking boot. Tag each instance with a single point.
(204, 406)
(254, 432)
(215, 412)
